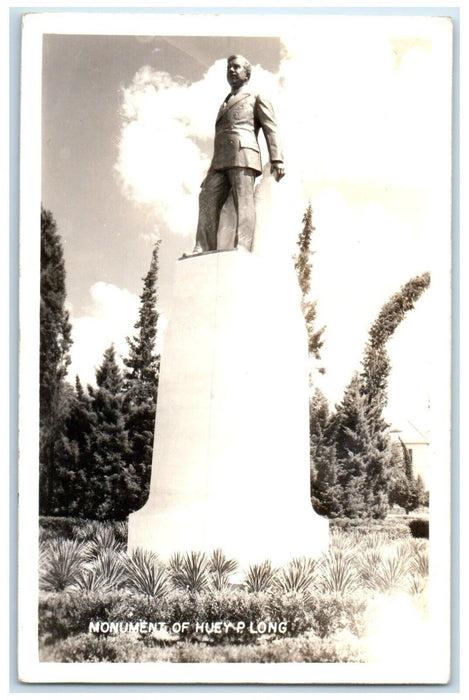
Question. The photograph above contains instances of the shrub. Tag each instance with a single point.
(293, 608)
(419, 528)
(86, 648)
(69, 613)
(51, 527)
(232, 607)
(128, 607)
(389, 529)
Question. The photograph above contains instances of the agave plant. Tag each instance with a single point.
(145, 576)
(343, 541)
(373, 541)
(190, 571)
(121, 531)
(84, 531)
(62, 562)
(260, 578)
(221, 568)
(367, 563)
(420, 562)
(338, 574)
(298, 577)
(106, 573)
(417, 584)
(104, 538)
(391, 574)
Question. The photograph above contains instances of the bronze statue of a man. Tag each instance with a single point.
(236, 159)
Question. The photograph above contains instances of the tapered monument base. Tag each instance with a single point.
(231, 455)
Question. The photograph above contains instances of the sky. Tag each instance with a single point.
(363, 107)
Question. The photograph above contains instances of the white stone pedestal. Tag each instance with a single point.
(231, 453)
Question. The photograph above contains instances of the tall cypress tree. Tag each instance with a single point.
(141, 382)
(110, 478)
(303, 267)
(55, 343)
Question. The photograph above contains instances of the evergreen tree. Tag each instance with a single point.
(111, 480)
(78, 459)
(404, 490)
(141, 382)
(55, 343)
(362, 457)
(303, 267)
(323, 457)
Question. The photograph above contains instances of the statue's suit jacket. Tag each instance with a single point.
(237, 126)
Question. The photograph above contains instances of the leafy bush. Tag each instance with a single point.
(68, 613)
(420, 528)
(51, 527)
(389, 529)
(88, 649)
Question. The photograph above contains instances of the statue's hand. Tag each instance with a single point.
(277, 170)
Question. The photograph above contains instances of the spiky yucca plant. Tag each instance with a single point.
(61, 563)
(260, 578)
(391, 573)
(420, 562)
(145, 576)
(221, 568)
(190, 571)
(338, 574)
(298, 577)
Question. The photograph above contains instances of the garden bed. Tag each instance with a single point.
(96, 603)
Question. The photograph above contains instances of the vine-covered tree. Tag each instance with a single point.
(141, 381)
(303, 267)
(55, 343)
(376, 363)
(358, 436)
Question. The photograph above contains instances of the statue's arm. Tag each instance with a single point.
(266, 117)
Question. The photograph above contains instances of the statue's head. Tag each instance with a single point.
(238, 71)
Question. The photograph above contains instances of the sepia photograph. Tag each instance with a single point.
(235, 348)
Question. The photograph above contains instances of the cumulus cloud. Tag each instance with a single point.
(109, 319)
(165, 144)
(365, 124)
